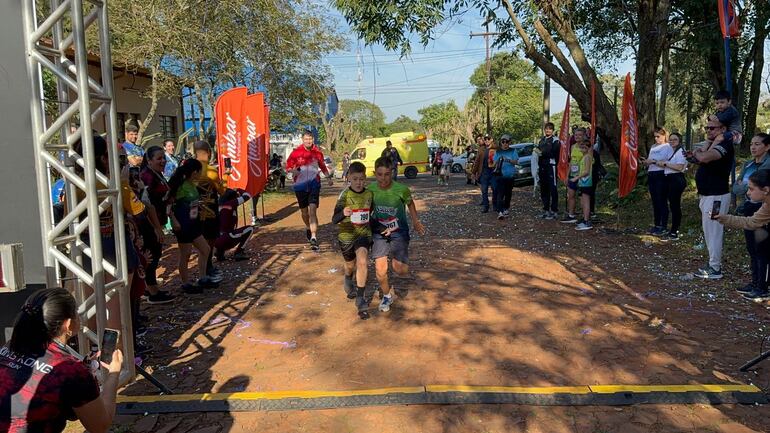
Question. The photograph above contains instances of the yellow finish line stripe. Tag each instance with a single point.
(269, 395)
(544, 390)
(612, 389)
(510, 389)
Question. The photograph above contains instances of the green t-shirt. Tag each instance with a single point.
(390, 206)
(357, 225)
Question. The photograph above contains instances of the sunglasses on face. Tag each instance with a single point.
(711, 128)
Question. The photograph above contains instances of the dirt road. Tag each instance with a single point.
(521, 302)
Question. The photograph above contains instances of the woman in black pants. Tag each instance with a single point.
(656, 181)
(675, 184)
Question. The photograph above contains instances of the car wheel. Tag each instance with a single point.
(457, 168)
(410, 172)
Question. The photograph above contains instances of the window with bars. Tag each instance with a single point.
(168, 127)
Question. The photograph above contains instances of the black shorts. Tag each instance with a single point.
(587, 190)
(306, 198)
(190, 228)
(210, 228)
(349, 248)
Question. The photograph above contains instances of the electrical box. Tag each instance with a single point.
(11, 268)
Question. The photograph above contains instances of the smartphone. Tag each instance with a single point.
(228, 163)
(109, 344)
(715, 209)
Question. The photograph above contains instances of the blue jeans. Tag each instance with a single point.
(487, 180)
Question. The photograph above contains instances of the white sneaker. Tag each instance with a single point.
(500, 215)
(386, 302)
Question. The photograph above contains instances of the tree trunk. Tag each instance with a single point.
(665, 76)
(760, 34)
(653, 28)
(607, 122)
(201, 112)
(143, 125)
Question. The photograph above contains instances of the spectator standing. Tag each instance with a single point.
(656, 181)
(759, 224)
(576, 156)
(345, 165)
(760, 145)
(584, 181)
(506, 159)
(675, 182)
(134, 151)
(172, 162)
(156, 196)
(447, 159)
(395, 158)
(210, 187)
(548, 157)
(715, 159)
(483, 172)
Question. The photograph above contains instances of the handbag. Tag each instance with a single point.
(498, 170)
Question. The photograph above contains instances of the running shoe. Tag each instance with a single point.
(192, 289)
(314, 244)
(506, 213)
(709, 274)
(386, 302)
(160, 298)
(500, 215)
(239, 256)
(550, 216)
(585, 225)
(217, 278)
(544, 215)
(670, 237)
(569, 219)
(207, 282)
(748, 288)
(364, 315)
(758, 295)
(485, 209)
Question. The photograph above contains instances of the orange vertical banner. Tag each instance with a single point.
(629, 139)
(563, 166)
(728, 19)
(229, 122)
(254, 133)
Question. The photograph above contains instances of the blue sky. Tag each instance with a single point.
(435, 73)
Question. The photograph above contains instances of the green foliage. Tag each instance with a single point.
(516, 95)
(435, 116)
(404, 123)
(368, 118)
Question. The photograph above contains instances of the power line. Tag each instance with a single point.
(422, 100)
(411, 54)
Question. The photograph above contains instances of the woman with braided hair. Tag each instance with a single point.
(42, 382)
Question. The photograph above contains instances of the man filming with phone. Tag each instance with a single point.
(715, 160)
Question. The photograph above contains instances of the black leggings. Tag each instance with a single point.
(150, 244)
(675, 186)
(656, 182)
(758, 247)
(504, 192)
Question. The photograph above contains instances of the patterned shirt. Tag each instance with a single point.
(355, 226)
(38, 394)
(390, 207)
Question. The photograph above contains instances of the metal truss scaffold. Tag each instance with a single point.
(55, 45)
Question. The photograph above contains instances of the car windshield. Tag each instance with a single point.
(358, 154)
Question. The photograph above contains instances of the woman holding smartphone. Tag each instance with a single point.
(42, 385)
(759, 224)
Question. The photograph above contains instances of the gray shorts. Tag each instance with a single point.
(397, 248)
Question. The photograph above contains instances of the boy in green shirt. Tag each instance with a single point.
(391, 228)
(352, 214)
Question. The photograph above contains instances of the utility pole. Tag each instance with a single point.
(486, 36)
(547, 96)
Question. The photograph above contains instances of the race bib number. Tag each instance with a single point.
(391, 223)
(360, 217)
(574, 168)
(194, 211)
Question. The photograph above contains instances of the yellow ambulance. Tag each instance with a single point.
(413, 149)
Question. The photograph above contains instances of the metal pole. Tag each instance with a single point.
(488, 94)
(546, 100)
(728, 66)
